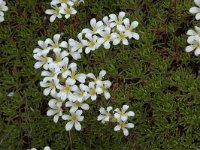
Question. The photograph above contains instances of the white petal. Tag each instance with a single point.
(107, 95)
(91, 75)
(197, 17)
(64, 44)
(69, 126)
(197, 51)
(121, 15)
(47, 148)
(135, 36)
(116, 41)
(125, 107)
(73, 109)
(130, 125)
(76, 55)
(46, 91)
(100, 117)
(125, 42)
(52, 18)
(191, 32)
(66, 117)
(190, 48)
(50, 112)
(49, 11)
(130, 113)
(117, 128)
(68, 104)
(134, 24)
(38, 65)
(93, 22)
(125, 131)
(102, 74)
(77, 126)
(124, 118)
(55, 118)
(81, 77)
(85, 106)
(197, 2)
(102, 110)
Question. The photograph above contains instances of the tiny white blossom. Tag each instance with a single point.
(117, 20)
(121, 37)
(97, 80)
(194, 42)
(78, 45)
(55, 12)
(55, 45)
(67, 11)
(52, 72)
(92, 44)
(66, 90)
(106, 37)
(105, 114)
(92, 91)
(122, 115)
(96, 27)
(74, 120)
(104, 89)
(11, 94)
(123, 126)
(196, 10)
(44, 48)
(50, 85)
(81, 94)
(129, 29)
(55, 110)
(43, 60)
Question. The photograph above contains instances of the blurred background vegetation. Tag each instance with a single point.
(154, 75)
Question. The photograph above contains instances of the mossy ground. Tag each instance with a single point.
(154, 75)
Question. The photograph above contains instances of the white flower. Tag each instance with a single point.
(75, 45)
(32, 149)
(121, 37)
(92, 44)
(74, 118)
(96, 27)
(55, 45)
(50, 85)
(194, 42)
(75, 105)
(47, 148)
(43, 60)
(105, 114)
(117, 20)
(74, 75)
(74, 53)
(52, 73)
(55, 110)
(68, 2)
(44, 49)
(59, 57)
(97, 80)
(107, 37)
(65, 67)
(104, 89)
(196, 10)
(193, 33)
(55, 12)
(66, 90)
(92, 91)
(67, 11)
(123, 126)
(129, 29)
(122, 115)
(82, 93)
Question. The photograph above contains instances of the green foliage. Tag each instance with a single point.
(154, 75)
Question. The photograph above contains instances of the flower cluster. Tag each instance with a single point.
(194, 35)
(3, 8)
(62, 8)
(70, 89)
(119, 116)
